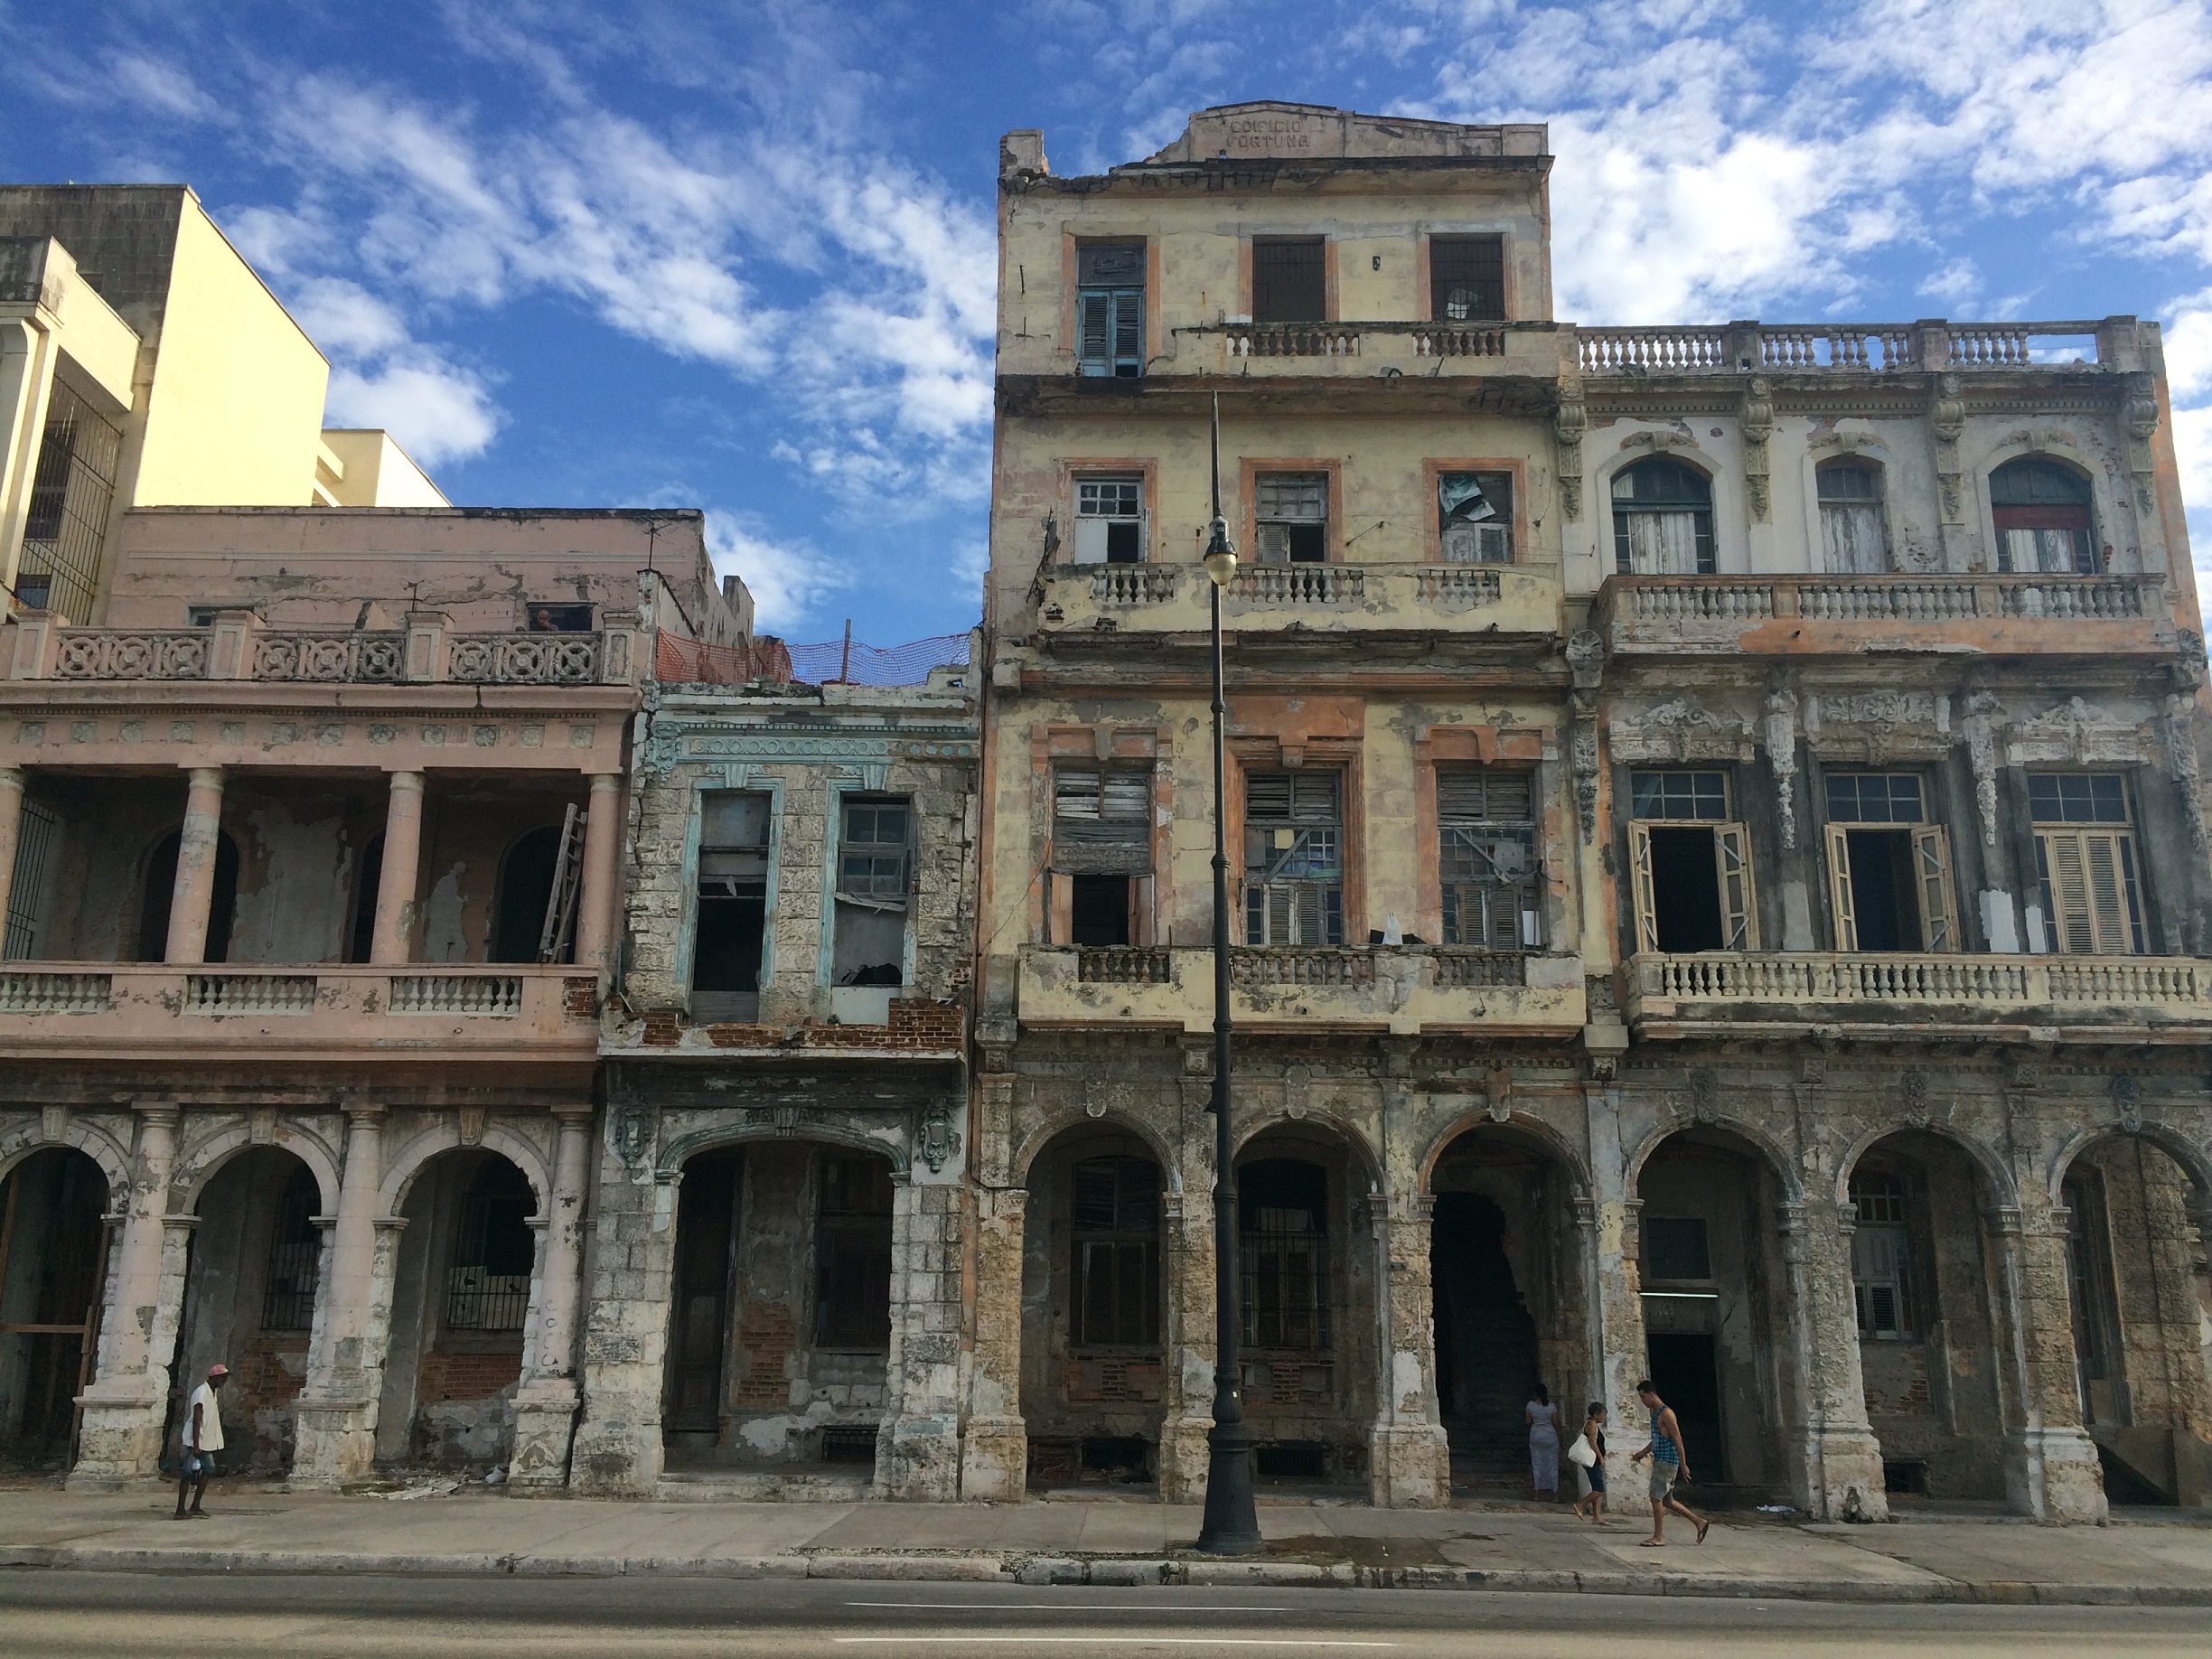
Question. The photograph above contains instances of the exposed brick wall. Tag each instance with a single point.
(466, 1376)
(768, 1337)
(916, 1024)
(1113, 1378)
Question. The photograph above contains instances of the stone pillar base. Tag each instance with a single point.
(544, 1425)
(1183, 1455)
(1409, 1466)
(615, 1454)
(119, 1438)
(994, 1461)
(2053, 1475)
(918, 1459)
(1841, 1476)
(334, 1439)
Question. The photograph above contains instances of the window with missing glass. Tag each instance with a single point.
(1854, 534)
(1882, 1256)
(1293, 858)
(1690, 863)
(1663, 521)
(65, 523)
(487, 1286)
(1676, 1250)
(1110, 290)
(1889, 868)
(1102, 850)
(294, 1256)
(1115, 1227)
(1474, 518)
(1486, 858)
(852, 1254)
(1110, 520)
(1678, 794)
(1290, 518)
(1466, 279)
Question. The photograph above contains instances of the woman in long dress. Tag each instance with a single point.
(1543, 1443)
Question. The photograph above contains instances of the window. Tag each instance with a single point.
(1691, 863)
(1882, 1257)
(1853, 534)
(2085, 860)
(1109, 521)
(1110, 286)
(1282, 1208)
(731, 919)
(1290, 279)
(1293, 858)
(1486, 858)
(560, 619)
(1115, 1204)
(2042, 510)
(487, 1288)
(852, 1254)
(1889, 868)
(1676, 1250)
(72, 491)
(1662, 520)
(1103, 848)
(1292, 518)
(2089, 1290)
(1474, 518)
(38, 831)
(875, 878)
(294, 1256)
(1466, 279)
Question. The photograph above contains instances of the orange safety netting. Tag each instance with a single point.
(683, 662)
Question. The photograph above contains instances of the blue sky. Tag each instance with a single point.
(739, 257)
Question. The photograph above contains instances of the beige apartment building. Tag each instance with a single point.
(1716, 821)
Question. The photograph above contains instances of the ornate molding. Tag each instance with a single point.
(2073, 730)
(936, 1141)
(1757, 419)
(1886, 723)
(1778, 735)
(1947, 421)
(1979, 728)
(1570, 422)
(2139, 417)
(1679, 730)
(2179, 730)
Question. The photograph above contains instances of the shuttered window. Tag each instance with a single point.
(1491, 883)
(1662, 520)
(1293, 858)
(2042, 518)
(1855, 536)
(2086, 861)
(1474, 518)
(1466, 279)
(1103, 819)
(1889, 870)
(1290, 279)
(1110, 284)
(1881, 1277)
(1290, 512)
(1116, 1225)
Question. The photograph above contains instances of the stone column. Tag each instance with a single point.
(126, 1404)
(995, 1442)
(1408, 1463)
(11, 825)
(2052, 1472)
(392, 940)
(631, 1262)
(1839, 1466)
(546, 1404)
(594, 935)
(918, 1449)
(337, 1407)
(1611, 1221)
(1187, 1325)
(193, 895)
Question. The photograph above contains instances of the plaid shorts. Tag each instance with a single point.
(1663, 1479)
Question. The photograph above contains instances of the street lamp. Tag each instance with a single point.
(1232, 1526)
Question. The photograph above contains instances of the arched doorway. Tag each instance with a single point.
(250, 1283)
(2136, 1299)
(1509, 1311)
(1716, 1305)
(526, 876)
(53, 1269)
(780, 1315)
(461, 1302)
(158, 889)
(1094, 1311)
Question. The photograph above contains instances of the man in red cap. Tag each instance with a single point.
(202, 1438)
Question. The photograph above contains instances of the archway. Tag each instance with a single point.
(1715, 1298)
(157, 891)
(1093, 1381)
(780, 1311)
(54, 1256)
(461, 1303)
(1509, 1311)
(526, 880)
(250, 1284)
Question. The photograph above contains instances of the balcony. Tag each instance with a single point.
(1374, 350)
(1854, 347)
(110, 1010)
(1815, 615)
(1326, 598)
(1406, 990)
(2021, 998)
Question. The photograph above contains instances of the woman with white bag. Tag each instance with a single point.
(1587, 1455)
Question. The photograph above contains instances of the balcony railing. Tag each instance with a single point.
(1822, 348)
(1493, 598)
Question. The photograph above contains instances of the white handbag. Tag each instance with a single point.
(1579, 1452)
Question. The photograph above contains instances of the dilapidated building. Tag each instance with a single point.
(1714, 817)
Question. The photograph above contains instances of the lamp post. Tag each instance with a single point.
(1230, 1526)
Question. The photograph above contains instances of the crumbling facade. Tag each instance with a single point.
(1715, 826)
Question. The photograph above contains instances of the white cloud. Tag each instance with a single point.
(787, 579)
(161, 89)
(438, 412)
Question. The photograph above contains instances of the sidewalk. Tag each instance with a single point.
(1105, 1541)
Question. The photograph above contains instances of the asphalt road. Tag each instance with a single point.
(55, 1614)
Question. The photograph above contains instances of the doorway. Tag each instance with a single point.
(1685, 1369)
(1486, 1340)
(1686, 888)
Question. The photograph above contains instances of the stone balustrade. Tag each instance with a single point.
(1488, 598)
(1841, 348)
(1286, 584)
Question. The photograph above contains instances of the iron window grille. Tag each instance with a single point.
(38, 832)
(1487, 858)
(487, 1288)
(1662, 523)
(1284, 1249)
(1290, 279)
(1115, 1227)
(852, 1255)
(1293, 858)
(295, 1258)
(73, 491)
(1466, 279)
(1110, 286)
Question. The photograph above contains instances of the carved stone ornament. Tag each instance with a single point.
(1586, 658)
(2076, 731)
(1947, 421)
(2141, 417)
(784, 1119)
(631, 1130)
(2127, 1103)
(1569, 423)
(1497, 1090)
(53, 1122)
(1883, 724)
(1981, 730)
(1583, 753)
(1704, 1094)
(261, 1125)
(1779, 734)
(1913, 1091)
(1679, 730)
(1757, 419)
(471, 1125)
(936, 1141)
(2181, 763)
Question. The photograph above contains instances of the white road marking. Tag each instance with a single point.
(1058, 1606)
(1105, 1641)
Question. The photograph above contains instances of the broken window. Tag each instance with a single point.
(2041, 513)
(1282, 1210)
(1486, 858)
(1466, 279)
(1293, 858)
(733, 904)
(1292, 518)
(1109, 521)
(560, 618)
(1889, 868)
(1881, 1257)
(1677, 1250)
(1691, 864)
(852, 1254)
(72, 491)
(875, 883)
(1102, 848)
(294, 1256)
(1474, 518)
(2086, 862)
(37, 833)
(1662, 523)
(1290, 279)
(1115, 1221)
(1110, 286)
(1853, 534)
(487, 1288)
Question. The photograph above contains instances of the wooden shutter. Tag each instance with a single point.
(1090, 541)
(2086, 880)
(1932, 877)
(1738, 912)
(1128, 329)
(1141, 926)
(1094, 329)
(1646, 905)
(1841, 898)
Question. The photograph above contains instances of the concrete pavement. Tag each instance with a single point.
(1105, 1540)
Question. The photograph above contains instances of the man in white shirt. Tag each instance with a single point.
(202, 1438)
